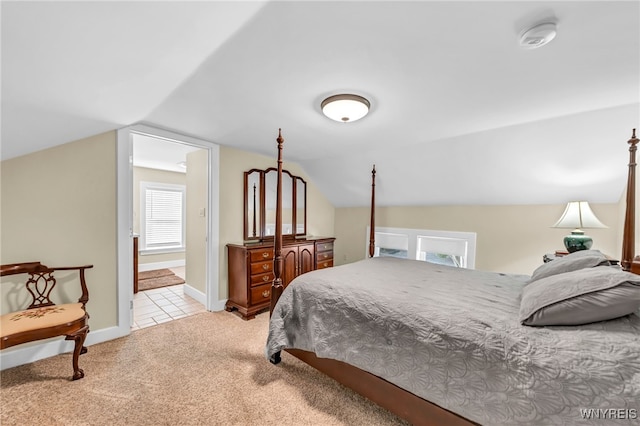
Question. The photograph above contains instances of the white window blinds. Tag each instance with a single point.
(390, 244)
(163, 216)
(447, 250)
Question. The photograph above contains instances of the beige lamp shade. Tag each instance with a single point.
(578, 215)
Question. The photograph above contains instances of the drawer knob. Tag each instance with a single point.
(265, 266)
(265, 293)
(326, 255)
(265, 278)
(326, 264)
(265, 254)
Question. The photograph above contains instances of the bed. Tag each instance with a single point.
(501, 349)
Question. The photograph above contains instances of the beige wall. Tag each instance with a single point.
(233, 164)
(510, 239)
(197, 213)
(58, 207)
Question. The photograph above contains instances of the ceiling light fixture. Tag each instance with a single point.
(345, 107)
(538, 35)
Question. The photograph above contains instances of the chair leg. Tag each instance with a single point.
(78, 338)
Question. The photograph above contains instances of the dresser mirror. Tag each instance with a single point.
(301, 203)
(252, 188)
(260, 204)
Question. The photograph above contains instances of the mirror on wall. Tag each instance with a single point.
(260, 204)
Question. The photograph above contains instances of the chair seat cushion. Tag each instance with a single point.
(40, 318)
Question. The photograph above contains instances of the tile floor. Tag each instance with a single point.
(152, 307)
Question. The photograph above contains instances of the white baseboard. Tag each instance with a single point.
(202, 298)
(22, 354)
(195, 294)
(142, 267)
(219, 305)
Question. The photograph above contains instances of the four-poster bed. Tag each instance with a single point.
(438, 374)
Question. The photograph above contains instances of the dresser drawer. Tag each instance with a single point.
(325, 264)
(325, 255)
(261, 267)
(262, 279)
(261, 255)
(325, 247)
(261, 294)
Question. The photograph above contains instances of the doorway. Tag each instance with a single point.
(200, 235)
(170, 228)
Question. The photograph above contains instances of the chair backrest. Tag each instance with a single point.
(41, 281)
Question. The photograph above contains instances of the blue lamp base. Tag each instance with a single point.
(577, 241)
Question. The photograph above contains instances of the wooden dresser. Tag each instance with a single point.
(251, 270)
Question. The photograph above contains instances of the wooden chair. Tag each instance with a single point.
(43, 319)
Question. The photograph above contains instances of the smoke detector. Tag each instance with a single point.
(538, 35)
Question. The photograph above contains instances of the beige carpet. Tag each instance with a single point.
(157, 278)
(207, 369)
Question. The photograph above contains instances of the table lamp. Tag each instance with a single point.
(578, 215)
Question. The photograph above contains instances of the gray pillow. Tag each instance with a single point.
(572, 262)
(580, 297)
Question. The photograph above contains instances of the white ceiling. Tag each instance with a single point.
(460, 114)
(155, 153)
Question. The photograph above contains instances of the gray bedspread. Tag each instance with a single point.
(452, 336)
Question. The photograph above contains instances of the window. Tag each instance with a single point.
(448, 250)
(162, 216)
(443, 247)
(391, 244)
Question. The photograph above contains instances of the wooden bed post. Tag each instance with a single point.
(628, 238)
(372, 225)
(276, 286)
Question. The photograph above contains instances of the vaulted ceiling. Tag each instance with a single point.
(460, 113)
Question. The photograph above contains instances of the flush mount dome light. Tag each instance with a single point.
(538, 35)
(345, 108)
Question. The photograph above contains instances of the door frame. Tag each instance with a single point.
(124, 202)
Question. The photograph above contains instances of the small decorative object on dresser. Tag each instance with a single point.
(251, 270)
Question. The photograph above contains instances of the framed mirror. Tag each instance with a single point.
(253, 185)
(301, 206)
(260, 204)
(270, 183)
